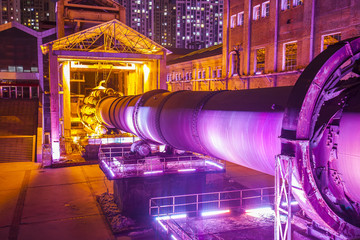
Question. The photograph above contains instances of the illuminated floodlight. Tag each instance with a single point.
(55, 151)
(108, 168)
(284, 204)
(212, 213)
(214, 164)
(173, 237)
(187, 170)
(153, 172)
(258, 212)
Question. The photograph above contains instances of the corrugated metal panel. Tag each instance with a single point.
(17, 148)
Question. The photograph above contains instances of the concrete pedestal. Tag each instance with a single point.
(132, 194)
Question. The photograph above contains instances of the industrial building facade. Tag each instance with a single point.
(269, 43)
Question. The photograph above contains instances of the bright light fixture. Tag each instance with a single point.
(212, 213)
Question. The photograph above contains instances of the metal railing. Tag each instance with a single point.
(194, 203)
(108, 153)
(122, 167)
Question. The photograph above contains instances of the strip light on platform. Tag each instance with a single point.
(162, 225)
(257, 212)
(153, 172)
(109, 169)
(212, 213)
(187, 170)
(214, 164)
(173, 237)
(168, 217)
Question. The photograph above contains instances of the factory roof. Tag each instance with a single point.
(201, 53)
(110, 37)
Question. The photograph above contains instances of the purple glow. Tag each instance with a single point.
(55, 151)
(214, 164)
(284, 204)
(108, 168)
(176, 216)
(187, 170)
(173, 237)
(212, 213)
(153, 172)
(257, 212)
(162, 225)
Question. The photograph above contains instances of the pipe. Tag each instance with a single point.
(276, 35)
(204, 122)
(317, 121)
(227, 43)
(312, 30)
(249, 41)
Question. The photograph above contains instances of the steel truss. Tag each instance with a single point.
(283, 175)
(113, 37)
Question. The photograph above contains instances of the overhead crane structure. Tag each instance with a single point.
(313, 127)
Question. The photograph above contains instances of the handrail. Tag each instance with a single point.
(155, 206)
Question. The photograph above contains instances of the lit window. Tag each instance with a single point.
(329, 40)
(260, 60)
(214, 74)
(297, 2)
(290, 56)
(219, 73)
(285, 4)
(240, 18)
(265, 10)
(233, 21)
(256, 12)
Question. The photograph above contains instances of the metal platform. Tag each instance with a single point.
(221, 214)
(116, 166)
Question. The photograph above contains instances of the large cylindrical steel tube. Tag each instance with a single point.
(240, 126)
(314, 124)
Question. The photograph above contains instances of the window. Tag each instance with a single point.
(260, 60)
(265, 10)
(219, 73)
(329, 40)
(290, 55)
(233, 21)
(199, 74)
(214, 74)
(187, 76)
(297, 2)
(285, 4)
(204, 74)
(240, 18)
(256, 12)
(234, 63)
